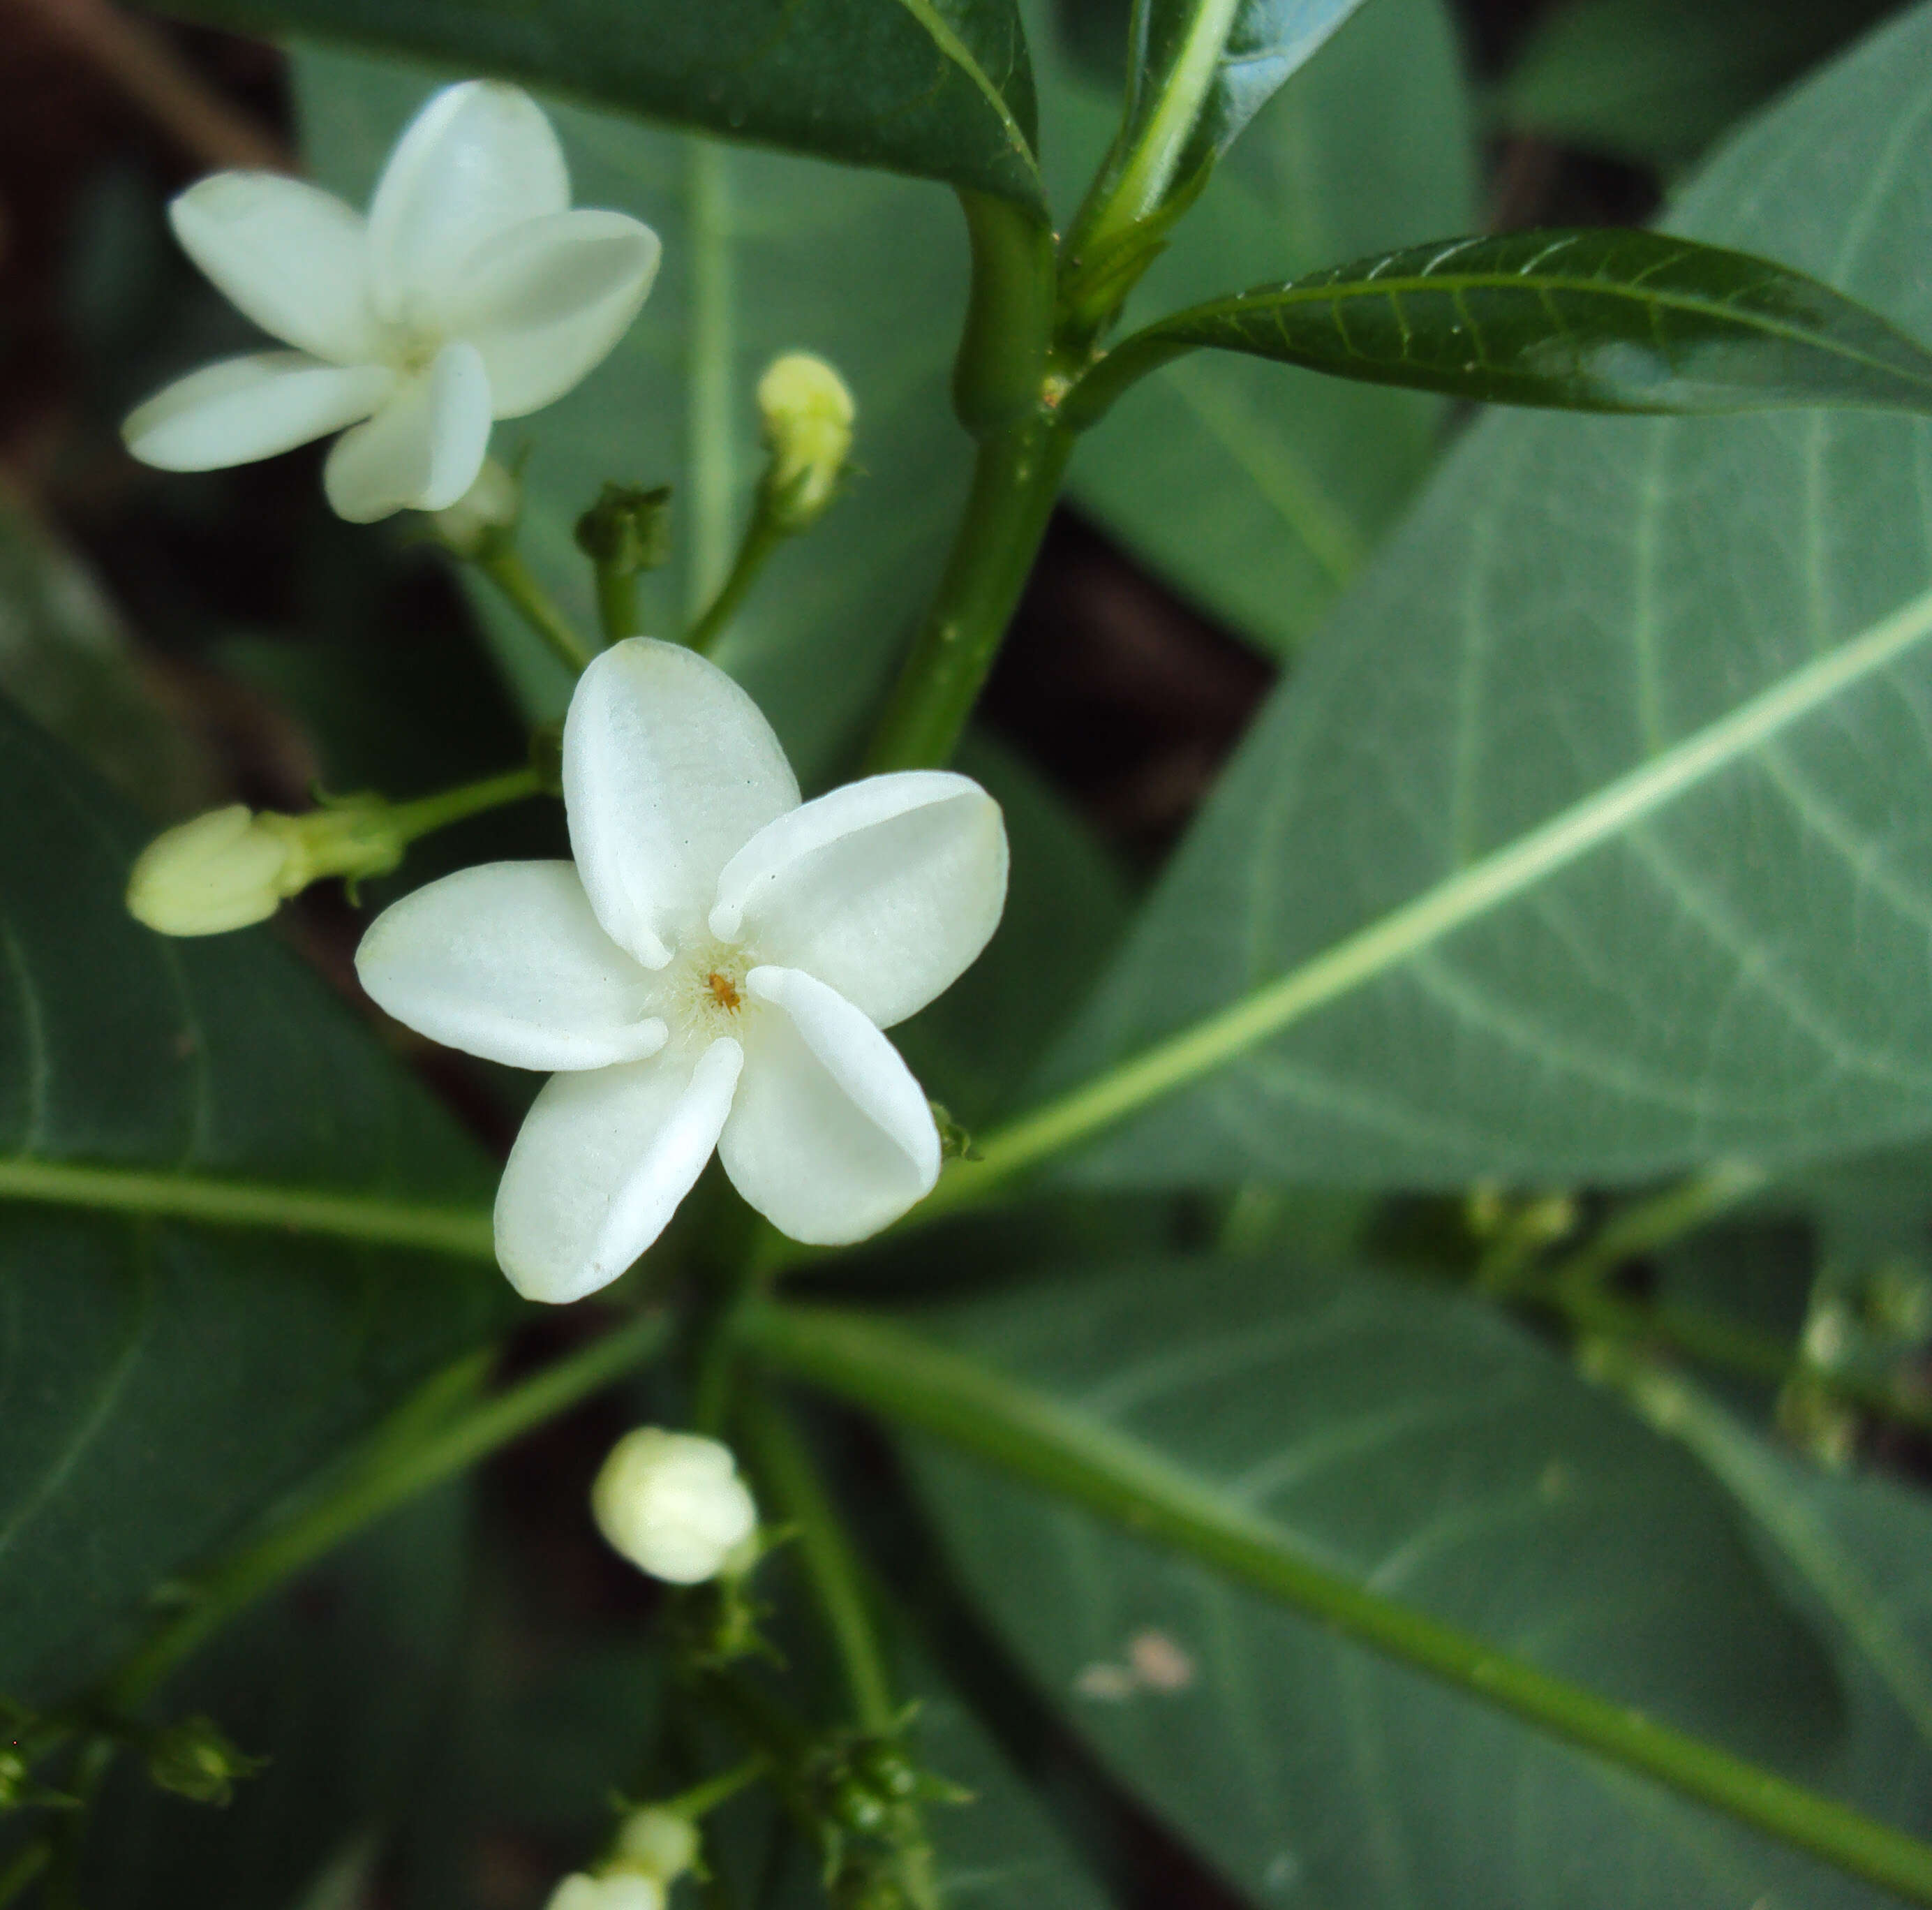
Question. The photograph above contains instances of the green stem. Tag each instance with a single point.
(762, 537)
(425, 813)
(702, 1799)
(894, 1373)
(462, 1232)
(1647, 1225)
(785, 1468)
(501, 564)
(617, 603)
(1014, 483)
(389, 1479)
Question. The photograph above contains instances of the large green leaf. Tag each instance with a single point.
(1256, 491)
(1574, 320)
(1421, 1446)
(762, 254)
(938, 88)
(160, 1382)
(1655, 81)
(1589, 843)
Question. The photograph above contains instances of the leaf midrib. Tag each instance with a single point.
(1354, 290)
(956, 50)
(461, 1231)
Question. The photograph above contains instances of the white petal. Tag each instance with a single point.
(669, 769)
(291, 256)
(546, 300)
(886, 890)
(477, 158)
(241, 409)
(422, 450)
(603, 1160)
(506, 961)
(830, 1137)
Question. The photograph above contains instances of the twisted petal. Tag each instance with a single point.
(830, 1137)
(241, 409)
(291, 256)
(603, 1160)
(669, 769)
(886, 890)
(546, 300)
(478, 158)
(422, 450)
(506, 961)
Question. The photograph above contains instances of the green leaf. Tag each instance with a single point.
(1655, 82)
(161, 1383)
(1258, 492)
(1429, 1451)
(1855, 1553)
(1587, 844)
(1578, 321)
(1067, 907)
(941, 89)
(762, 254)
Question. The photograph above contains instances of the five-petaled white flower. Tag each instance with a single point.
(714, 971)
(472, 291)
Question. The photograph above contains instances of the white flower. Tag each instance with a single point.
(471, 292)
(714, 971)
(617, 1890)
(673, 1504)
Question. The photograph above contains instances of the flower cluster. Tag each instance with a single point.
(715, 970)
(471, 292)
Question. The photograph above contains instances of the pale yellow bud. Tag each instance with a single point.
(656, 1842)
(673, 1504)
(221, 871)
(808, 414)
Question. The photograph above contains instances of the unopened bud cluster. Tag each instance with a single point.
(673, 1505)
(232, 867)
(808, 414)
(655, 1847)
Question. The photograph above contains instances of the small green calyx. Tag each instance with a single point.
(628, 529)
(195, 1760)
(484, 519)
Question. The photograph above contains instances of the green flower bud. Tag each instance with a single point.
(808, 414)
(657, 1843)
(615, 1890)
(194, 1759)
(627, 529)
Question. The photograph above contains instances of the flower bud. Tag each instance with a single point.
(673, 1504)
(657, 1843)
(808, 414)
(614, 1890)
(223, 870)
(488, 508)
(231, 867)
